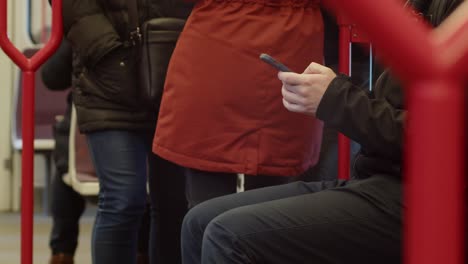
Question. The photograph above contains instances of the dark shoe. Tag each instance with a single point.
(61, 259)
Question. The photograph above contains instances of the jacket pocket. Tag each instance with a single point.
(113, 77)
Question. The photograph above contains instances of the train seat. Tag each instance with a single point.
(81, 175)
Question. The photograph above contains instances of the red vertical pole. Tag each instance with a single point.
(344, 67)
(434, 187)
(27, 166)
(29, 67)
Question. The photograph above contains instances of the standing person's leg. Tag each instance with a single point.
(203, 185)
(344, 225)
(67, 208)
(168, 208)
(144, 237)
(198, 218)
(120, 161)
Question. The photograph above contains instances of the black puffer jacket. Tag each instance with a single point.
(104, 80)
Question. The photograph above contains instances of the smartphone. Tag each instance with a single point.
(270, 60)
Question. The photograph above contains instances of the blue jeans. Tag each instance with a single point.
(123, 159)
(120, 159)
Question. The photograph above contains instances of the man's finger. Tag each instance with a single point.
(297, 89)
(293, 107)
(292, 97)
(291, 78)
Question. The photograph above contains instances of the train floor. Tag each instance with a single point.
(10, 238)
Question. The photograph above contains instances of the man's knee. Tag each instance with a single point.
(221, 243)
(196, 220)
(217, 232)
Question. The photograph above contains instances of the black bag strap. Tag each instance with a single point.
(133, 22)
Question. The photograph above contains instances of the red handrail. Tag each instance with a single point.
(348, 34)
(29, 66)
(344, 144)
(433, 65)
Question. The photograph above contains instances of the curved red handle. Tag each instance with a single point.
(433, 67)
(33, 63)
(404, 50)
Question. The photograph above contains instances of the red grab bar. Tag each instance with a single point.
(433, 65)
(344, 144)
(29, 66)
(347, 34)
(344, 56)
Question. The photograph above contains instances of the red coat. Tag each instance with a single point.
(222, 106)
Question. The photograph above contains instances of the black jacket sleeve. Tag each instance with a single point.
(57, 71)
(374, 123)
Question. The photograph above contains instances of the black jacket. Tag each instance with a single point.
(103, 77)
(374, 120)
(56, 72)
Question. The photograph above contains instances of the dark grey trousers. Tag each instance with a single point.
(357, 222)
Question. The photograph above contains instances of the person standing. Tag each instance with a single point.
(220, 114)
(119, 132)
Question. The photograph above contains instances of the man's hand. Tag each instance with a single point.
(302, 93)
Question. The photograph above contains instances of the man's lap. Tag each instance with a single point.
(295, 222)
